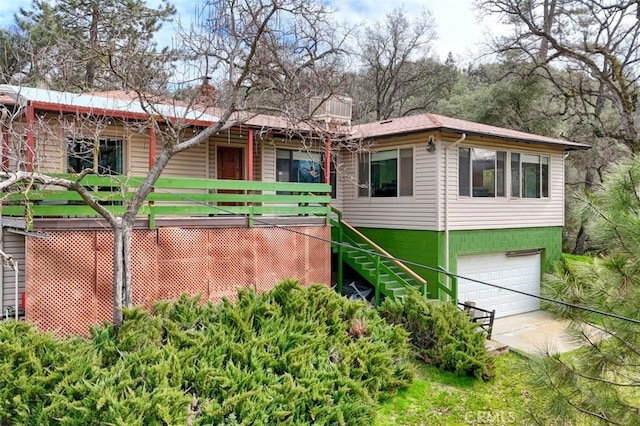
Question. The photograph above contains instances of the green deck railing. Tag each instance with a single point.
(176, 197)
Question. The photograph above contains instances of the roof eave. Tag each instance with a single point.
(569, 146)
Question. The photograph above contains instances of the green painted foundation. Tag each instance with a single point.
(428, 247)
(414, 246)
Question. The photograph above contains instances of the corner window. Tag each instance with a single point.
(481, 172)
(529, 176)
(104, 156)
(385, 173)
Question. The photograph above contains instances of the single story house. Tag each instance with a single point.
(482, 202)
(254, 205)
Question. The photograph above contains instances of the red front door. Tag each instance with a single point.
(230, 163)
(229, 167)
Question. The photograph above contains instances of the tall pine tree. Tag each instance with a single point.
(80, 44)
(602, 380)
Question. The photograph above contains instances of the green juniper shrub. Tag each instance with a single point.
(292, 356)
(441, 334)
(29, 371)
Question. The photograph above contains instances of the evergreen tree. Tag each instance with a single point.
(79, 44)
(603, 379)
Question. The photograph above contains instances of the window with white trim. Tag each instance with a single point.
(386, 173)
(483, 173)
(529, 176)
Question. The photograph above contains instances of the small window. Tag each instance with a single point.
(464, 167)
(545, 176)
(515, 175)
(302, 166)
(406, 175)
(363, 174)
(529, 176)
(299, 166)
(501, 158)
(104, 157)
(481, 172)
(386, 173)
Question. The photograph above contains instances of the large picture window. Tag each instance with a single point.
(302, 166)
(104, 156)
(483, 173)
(385, 173)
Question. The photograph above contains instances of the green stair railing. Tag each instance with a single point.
(388, 276)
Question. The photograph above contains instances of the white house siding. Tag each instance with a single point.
(268, 162)
(191, 163)
(50, 150)
(14, 245)
(414, 212)
(137, 154)
(257, 159)
(467, 213)
(211, 158)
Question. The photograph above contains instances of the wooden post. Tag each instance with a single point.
(327, 162)
(250, 155)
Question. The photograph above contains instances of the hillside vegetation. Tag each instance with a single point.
(292, 356)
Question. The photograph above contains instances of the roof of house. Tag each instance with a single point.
(434, 122)
(100, 102)
(127, 103)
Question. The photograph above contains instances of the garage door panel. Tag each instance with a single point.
(520, 273)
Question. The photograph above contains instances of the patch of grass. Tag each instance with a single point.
(577, 257)
(438, 397)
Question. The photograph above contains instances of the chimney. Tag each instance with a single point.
(206, 93)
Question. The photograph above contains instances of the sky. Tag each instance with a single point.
(457, 25)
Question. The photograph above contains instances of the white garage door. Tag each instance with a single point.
(515, 272)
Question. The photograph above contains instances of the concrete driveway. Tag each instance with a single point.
(536, 333)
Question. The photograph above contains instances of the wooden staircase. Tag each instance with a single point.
(388, 277)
